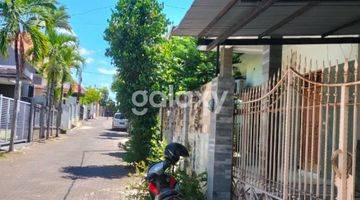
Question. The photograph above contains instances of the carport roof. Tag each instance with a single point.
(223, 19)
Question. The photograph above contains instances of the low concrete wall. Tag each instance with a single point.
(205, 126)
(70, 114)
(191, 126)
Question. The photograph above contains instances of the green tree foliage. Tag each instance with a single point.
(92, 95)
(135, 29)
(183, 66)
(54, 65)
(71, 59)
(111, 106)
(19, 19)
(105, 96)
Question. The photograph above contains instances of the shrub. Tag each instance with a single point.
(140, 191)
(191, 187)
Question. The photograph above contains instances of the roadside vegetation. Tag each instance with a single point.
(192, 187)
(2, 154)
(147, 61)
(91, 95)
(40, 25)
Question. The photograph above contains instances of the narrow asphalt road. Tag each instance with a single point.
(84, 164)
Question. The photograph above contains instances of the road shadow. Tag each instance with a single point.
(113, 135)
(105, 172)
(116, 130)
(75, 173)
(119, 155)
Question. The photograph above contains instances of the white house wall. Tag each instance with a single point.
(252, 65)
(327, 53)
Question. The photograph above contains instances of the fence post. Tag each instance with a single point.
(41, 124)
(31, 122)
(287, 138)
(162, 115)
(7, 117)
(1, 108)
(343, 144)
(24, 119)
(51, 120)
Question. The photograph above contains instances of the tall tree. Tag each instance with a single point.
(105, 96)
(57, 19)
(92, 95)
(54, 65)
(135, 28)
(21, 18)
(71, 60)
(183, 66)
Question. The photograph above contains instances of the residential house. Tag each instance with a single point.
(32, 83)
(8, 75)
(295, 135)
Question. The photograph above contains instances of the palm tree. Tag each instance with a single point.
(72, 60)
(20, 18)
(57, 18)
(58, 45)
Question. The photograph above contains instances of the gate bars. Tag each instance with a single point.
(6, 115)
(296, 136)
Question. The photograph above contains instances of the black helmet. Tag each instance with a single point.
(174, 151)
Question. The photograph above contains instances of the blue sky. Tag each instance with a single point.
(89, 20)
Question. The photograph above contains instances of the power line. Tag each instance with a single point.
(92, 10)
(111, 6)
(171, 6)
(97, 73)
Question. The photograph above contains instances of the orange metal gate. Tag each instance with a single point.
(296, 136)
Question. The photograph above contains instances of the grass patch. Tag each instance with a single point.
(2, 154)
(3, 135)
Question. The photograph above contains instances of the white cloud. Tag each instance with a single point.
(89, 60)
(107, 71)
(85, 52)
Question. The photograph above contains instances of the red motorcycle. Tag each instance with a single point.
(162, 185)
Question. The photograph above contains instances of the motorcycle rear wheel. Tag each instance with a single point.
(172, 198)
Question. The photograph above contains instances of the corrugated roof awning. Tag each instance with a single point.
(223, 19)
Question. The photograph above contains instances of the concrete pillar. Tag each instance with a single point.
(226, 67)
(220, 139)
(357, 178)
(272, 60)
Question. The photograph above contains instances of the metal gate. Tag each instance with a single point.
(296, 136)
(6, 115)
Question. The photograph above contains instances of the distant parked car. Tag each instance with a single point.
(120, 122)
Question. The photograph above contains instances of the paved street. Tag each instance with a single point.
(85, 164)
